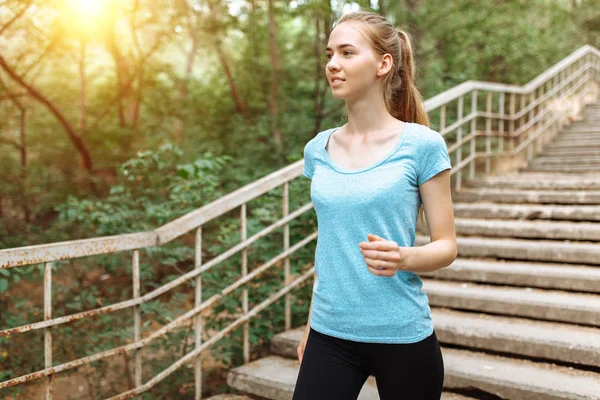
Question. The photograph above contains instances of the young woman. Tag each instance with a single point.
(368, 314)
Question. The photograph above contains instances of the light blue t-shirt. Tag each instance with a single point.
(349, 302)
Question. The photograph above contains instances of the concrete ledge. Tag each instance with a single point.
(537, 181)
(580, 278)
(517, 379)
(527, 211)
(576, 231)
(560, 141)
(558, 168)
(571, 145)
(570, 153)
(581, 128)
(549, 305)
(528, 196)
(539, 339)
(522, 249)
(577, 136)
(275, 377)
(570, 161)
(523, 337)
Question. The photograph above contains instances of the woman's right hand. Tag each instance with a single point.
(301, 346)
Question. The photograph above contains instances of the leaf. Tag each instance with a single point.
(3, 285)
(185, 171)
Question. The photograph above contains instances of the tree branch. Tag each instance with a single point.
(44, 54)
(13, 95)
(16, 17)
(11, 142)
(73, 136)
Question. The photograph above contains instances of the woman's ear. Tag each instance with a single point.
(385, 65)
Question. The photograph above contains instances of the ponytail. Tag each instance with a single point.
(405, 101)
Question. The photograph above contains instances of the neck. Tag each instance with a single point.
(368, 116)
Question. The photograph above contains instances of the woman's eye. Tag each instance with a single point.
(345, 52)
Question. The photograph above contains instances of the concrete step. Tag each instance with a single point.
(574, 231)
(540, 304)
(538, 339)
(587, 131)
(570, 153)
(535, 183)
(572, 277)
(522, 337)
(558, 168)
(556, 251)
(582, 142)
(592, 132)
(565, 143)
(526, 211)
(571, 146)
(517, 379)
(573, 197)
(589, 124)
(274, 377)
(578, 135)
(588, 119)
(569, 161)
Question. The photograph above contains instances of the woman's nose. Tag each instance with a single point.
(332, 64)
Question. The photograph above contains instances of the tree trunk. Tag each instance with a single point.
(185, 82)
(22, 148)
(319, 95)
(76, 140)
(273, 98)
(120, 71)
(235, 94)
(82, 98)
(24, 203)
(413, 7)
(320, 45)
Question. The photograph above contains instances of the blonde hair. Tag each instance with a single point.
(402, 99)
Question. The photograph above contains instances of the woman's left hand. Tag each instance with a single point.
(383, 257)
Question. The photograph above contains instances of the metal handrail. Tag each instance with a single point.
(575, 78)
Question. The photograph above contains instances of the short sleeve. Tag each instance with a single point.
(309, 166)
(433, 157)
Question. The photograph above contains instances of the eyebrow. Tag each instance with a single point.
(341, 46)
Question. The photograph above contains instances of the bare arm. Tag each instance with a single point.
(442, 250)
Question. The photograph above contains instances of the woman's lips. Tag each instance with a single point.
(336, 82)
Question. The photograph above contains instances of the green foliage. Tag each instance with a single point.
(142, 183)
(152, 189)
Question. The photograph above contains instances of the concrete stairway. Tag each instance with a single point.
(518, 313)
(576, 149)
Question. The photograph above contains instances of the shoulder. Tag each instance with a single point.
(316, 140)
(426, 133)
(426, 139)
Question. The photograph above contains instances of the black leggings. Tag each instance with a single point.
(336, 369)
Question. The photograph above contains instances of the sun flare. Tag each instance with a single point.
(86, 16)
(86, 8)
